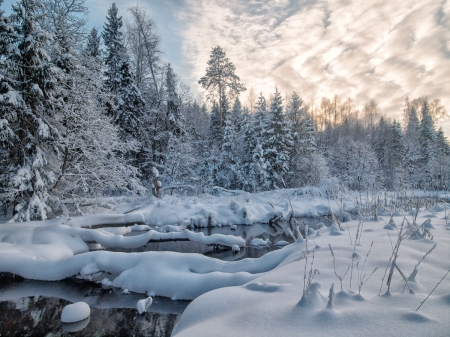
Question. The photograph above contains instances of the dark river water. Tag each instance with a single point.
(33, 308)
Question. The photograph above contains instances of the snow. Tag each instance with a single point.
(260, 242)
(75, 312)
(241, 209)
(142, 305)
(277, 294)
(272, 304)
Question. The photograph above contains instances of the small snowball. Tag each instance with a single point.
(75, 312)
(235, 248)
(233, 227)
(142, 305)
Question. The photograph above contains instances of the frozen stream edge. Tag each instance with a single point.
(168, 274)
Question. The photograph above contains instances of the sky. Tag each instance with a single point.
(377, 49)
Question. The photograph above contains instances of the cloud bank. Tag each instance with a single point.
(379, 49)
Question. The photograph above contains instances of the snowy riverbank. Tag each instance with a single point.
(266, 296)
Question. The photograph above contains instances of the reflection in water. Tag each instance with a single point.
(33, 308)
(76, 326)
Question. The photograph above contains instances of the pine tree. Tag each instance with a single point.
(278, 144)
(441, 163)
(214, 124)
(10, 99)
(254, 162)
(237, 115)
(412, 127)
(396, 154)
(229, 166)
(427, 134)
(92, 48)
(27, 90)
(220, 78)
(115, 50)
(126, 102)
(304, 143)
(129, 104)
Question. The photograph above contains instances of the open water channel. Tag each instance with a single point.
(33, 308)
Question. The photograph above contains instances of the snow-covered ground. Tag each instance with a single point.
(270, 296)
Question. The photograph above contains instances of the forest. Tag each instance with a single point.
(88, 114)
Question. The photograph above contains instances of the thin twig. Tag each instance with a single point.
(434, 289)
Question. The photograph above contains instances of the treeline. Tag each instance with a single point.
(83, 115)
(89, 114)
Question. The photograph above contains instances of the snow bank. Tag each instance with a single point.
(50, 240)
(272, 303)
(105, 219)
(169, 274)
(241, 209)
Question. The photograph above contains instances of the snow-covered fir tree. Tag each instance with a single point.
(126, 102)
(277, 144)
(395, 156)
(301, 160)
(215, 131)
(427, 134)
(27, 94)
(254, 162)
(93, 44)
(229, 175)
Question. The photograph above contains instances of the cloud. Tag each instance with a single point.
(361, 49)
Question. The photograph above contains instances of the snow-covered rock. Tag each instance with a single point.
(142, 305)
(75, 312)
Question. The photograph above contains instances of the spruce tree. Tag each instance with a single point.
(237, 115)
(126, 102)
(129, 103)
(27, 95)
(229, 166)
(278, 143)
(214, 124)
(175, 119)
(427, 134)
(115, 50)
(304, 142)
(254, 162)
(395, 156)
(92, 48)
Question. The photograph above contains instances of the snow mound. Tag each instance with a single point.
(263, 287)
(142, 305)
(335, 230)
(427, 224)
(75, 312)
(260, 242)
